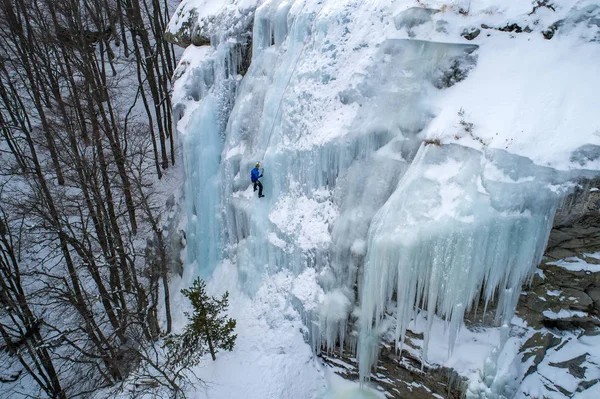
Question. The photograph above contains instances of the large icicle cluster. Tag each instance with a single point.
(460, 224)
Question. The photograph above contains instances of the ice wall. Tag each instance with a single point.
(205, 93)
(333, 149)
(368, 219)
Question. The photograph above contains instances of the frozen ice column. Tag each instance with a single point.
(210, 87)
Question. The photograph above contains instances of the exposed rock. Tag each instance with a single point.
(578, 300)
(577, 223)
(549, 33)
(561, 299)
(507, 28)
(187, 27)
(514, 28)
(594, 294)
(470, 33)
(401, 376)
(536, 347)
(549, 373)
(585, 154)
(574, 366)
(572, 323)
(542, 4)
(183, 36)
(559, 289)
(587, 384)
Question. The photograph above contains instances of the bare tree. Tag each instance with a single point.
(80, 219)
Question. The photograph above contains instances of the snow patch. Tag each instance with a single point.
(563, 314)
(305, 219)
(575, 264)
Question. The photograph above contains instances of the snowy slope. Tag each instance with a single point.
(402, 160)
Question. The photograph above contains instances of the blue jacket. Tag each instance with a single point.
(255, 175)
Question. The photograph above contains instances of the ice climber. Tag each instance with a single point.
(254, 176)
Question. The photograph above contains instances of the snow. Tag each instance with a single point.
(276, 241)
(307, 290)
(577, 265)
(590, 393)
(521, 122)
(595, 255)
(270, 358)
(336, 103)
(306, 220)
(471, 348)
(194, 14)
(191, 59)
(563, 314)
(550, 370)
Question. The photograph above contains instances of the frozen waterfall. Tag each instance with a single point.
(373, 223)
(208, 92)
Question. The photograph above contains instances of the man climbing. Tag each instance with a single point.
(254, 176)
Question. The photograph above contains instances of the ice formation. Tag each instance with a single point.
(336, 103)
(211, 85)
(460, 225)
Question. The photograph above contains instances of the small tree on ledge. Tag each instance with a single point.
(207, 326)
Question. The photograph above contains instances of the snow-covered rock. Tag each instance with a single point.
(200, 22)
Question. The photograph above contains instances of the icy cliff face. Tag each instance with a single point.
(397, 155)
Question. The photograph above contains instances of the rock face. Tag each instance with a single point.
(577, 224)
(562, 303)
(402, 376)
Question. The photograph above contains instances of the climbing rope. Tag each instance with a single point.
(290, 78)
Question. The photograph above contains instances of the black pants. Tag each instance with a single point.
(260, 187)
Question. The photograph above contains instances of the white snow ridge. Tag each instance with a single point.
(410, 173)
